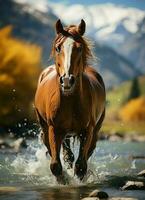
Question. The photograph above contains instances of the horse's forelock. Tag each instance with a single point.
(72, 31)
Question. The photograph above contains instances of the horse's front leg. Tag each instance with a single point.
(55, 141)
(44, 132)
(85, 142)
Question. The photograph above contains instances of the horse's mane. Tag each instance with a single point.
(72, 31)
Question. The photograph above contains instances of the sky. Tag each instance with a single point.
(131, 3)
(127, 3)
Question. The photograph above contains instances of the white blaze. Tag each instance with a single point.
(68, 44)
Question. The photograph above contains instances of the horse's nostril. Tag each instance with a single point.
(67, 82)
(61, 80)
(72, 80)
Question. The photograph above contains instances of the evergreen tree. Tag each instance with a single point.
(134, 90)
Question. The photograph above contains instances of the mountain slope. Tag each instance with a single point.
(121, 28)
(35, 24)
(118, 95)
(31, 25)
(105, 22)
(134, 47)
(113, 67)
(105, 28)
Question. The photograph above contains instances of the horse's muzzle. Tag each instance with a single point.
(67, 84)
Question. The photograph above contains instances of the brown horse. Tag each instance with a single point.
(70, 100)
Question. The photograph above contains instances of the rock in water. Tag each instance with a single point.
(134, 185)
(122, 198)
(142, 173)
(4, 145)
(99, 194)
(91, 198)
(9, 189)
(115, 138)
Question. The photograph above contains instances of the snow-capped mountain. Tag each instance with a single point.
(118, 27)
(134, 47)
(35, 23)
(112, 66)
(29, 24)
(107, 23)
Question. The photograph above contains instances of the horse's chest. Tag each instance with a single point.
(70, 115)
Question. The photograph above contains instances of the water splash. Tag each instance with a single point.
(32, 166)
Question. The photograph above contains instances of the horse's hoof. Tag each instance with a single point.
(80, 170)
(56, 169)
(62, 179)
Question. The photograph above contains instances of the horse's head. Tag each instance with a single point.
(69, 51)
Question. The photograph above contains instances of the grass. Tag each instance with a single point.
(116, 98)
(118, 95)
(123, 128)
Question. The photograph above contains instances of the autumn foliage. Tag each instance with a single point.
(19, 69)
(134, 110)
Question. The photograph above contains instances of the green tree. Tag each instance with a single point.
(134, 90)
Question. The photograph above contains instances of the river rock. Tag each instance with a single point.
(142, 173)
(139, 138)
(137, 157)
(90, 198)
(4, 144)
(6, 189)
(103, 136)
(122, 198)
(134, 185)
(99, 194)
(115, 138)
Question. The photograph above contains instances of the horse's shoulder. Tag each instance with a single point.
(47, 74)
(94, 75)
(47, 93)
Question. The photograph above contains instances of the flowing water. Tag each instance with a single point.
(27, 176)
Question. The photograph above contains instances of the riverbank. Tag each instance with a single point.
(138, 184)
(17, 141)
(115, 130)
(111, 127)
(116, 137)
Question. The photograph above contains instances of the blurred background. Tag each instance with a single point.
(117, 30)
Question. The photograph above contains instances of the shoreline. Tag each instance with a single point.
(116, 137)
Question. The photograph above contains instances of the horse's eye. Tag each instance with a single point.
(58, 49)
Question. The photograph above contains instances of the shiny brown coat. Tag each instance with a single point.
(79, 113)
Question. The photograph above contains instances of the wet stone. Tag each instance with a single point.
(142, 173)
(134, 185)
(90, 198)
(115, 138)
(122, 198)
(8, 189)
(3, 144)
(137, 157)
(99, 194)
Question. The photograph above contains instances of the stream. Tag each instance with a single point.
(26, 175)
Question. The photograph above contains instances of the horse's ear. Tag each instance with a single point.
(82, 27)
(59, 27)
